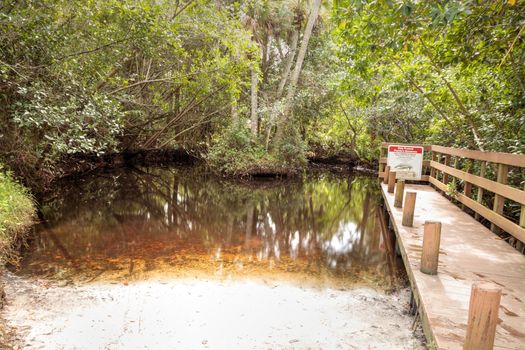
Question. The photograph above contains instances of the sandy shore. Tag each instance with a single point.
(205, 314)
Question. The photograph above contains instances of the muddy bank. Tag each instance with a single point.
(205, 314)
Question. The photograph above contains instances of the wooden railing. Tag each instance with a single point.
(466, 176)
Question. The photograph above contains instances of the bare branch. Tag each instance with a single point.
(512, 46)
(170, 79)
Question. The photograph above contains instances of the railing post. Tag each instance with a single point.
(522, 214)
(431, 242)
(435, 159)
(398, 196)
(499, 201)
(387, 172)
(482, 316)
(455, 166)
(446, 177)
(467, 188)
(391, 181)
(482, 171)
(408, 209)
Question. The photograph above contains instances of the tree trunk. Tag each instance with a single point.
(285, 116)
(254, 118)
(235, 112)
(289, 62)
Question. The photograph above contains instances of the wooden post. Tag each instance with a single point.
(433, 172)
(387, 172)
(522, 214)
(499, 201)
(438, 172)
(446, 177)
(479, 198)
(391, 181)
(431, 241)
(482, 316)
(455, 166)
(408, 209)
(400, 189)
(467, 186)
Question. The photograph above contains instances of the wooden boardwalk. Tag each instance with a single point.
(469, 253)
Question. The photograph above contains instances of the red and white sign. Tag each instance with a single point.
(406, 161)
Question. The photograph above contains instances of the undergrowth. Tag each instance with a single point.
(17, 210)
(236, 152)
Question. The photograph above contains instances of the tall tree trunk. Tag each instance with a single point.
(264, 56)
(289, 62)
(285, 116)
(254, 117)
(235, 112)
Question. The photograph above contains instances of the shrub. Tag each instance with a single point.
(292, 150)
(236, 152)
(17, 211)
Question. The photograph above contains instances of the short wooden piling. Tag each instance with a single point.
(408, 209)
(391, 181)
(482, 316)
(431, 241)
(387, 172)
(398, 196)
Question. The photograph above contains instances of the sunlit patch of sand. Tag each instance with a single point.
(206, 314)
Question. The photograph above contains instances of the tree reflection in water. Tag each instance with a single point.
(143, 222)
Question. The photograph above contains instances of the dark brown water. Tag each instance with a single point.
(155, 222)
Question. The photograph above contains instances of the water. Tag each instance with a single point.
(141, 223)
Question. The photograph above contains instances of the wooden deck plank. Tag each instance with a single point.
(469, 253)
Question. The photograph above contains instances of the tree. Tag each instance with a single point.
(254, 119)
(453, 55)
(104, 76)
(285, 116)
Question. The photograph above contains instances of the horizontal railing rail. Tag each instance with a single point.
(458, 172)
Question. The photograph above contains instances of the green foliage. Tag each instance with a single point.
(78, 122)
(100, 76)
(236, 152)
(17, 211)
(452, 189)
(291, 150)
(91, 77)
(454, 69)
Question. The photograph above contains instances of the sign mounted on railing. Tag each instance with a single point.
(406, 161)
